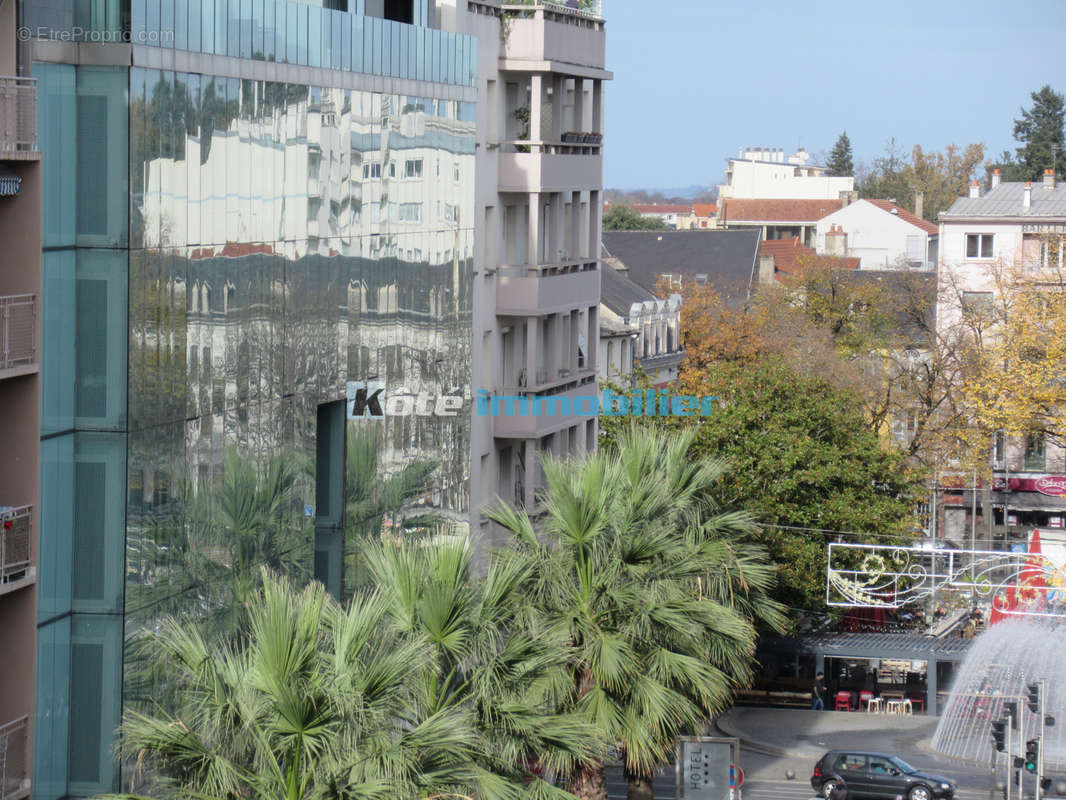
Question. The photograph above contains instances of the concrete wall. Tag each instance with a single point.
(756, 179)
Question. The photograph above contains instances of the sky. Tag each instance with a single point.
(695, 80)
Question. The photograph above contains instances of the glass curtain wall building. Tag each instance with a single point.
(246, 204)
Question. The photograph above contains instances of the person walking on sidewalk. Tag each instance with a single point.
(818, 704)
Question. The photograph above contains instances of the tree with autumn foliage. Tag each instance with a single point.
(1014, 357)
(942, 176)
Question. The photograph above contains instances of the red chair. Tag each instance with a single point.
(843, 701)
(917, 701)
(865, 696)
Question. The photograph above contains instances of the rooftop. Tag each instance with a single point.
(905, 215)
(1006, 200)
(618, 292)
(777, 210)
(727, 258)
(786, 253)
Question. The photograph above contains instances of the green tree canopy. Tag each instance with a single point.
(1040, 130)
(803, 460)
(840, 161)
(624, 218)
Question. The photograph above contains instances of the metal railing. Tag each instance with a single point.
(18, 330)
(14, 772)
(18, 114)
(15, 537)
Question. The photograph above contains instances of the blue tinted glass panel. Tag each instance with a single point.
(258, 29)
(247, 23)
(301, 33)
(344, 25)
(338, 26)
(221, 26)
(314, 36)
(138, 20)
(233, 28)
(102, 178)
(52, 710)
(195, 25)
(152, 22)
(57, 341)
(57, 136)
(99, 521)
(101, 338)
(56, 515)
(207, 12)
(95, 681)
(166, 24)
(181, 24)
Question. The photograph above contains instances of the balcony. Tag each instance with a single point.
(547, 288)
(550, 167)
(541, 32)
(521, 414)
(14, 761)
(18, 335)
(16, 569)
(18, 119)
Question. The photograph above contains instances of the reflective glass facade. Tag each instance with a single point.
(221, 257)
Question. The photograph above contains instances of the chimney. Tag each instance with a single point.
(1027, 196)
(767, 268)
(919, 203)
(1049, 179)
(836, 241)
(995, 178)
(975, 190)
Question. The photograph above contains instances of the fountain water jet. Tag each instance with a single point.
(1002, 661)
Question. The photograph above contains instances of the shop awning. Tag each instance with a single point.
(10, 183)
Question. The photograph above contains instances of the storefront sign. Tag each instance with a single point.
(1054, 522)
(1044, 228)
(1052, 485)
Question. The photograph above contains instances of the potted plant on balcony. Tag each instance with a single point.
(522, 115)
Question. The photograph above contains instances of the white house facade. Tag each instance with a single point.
(768, 173)
(881, 234)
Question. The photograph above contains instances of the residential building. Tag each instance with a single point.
(674, 217)
(881, 234)
(780, 257)
(705, 216)
(538, 218)
(637, 331)
(777, 218)
(20, 404)
(727, 261)
(246, 208)
(1012, 226)
(760, 173)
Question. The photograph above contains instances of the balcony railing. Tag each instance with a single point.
(572, 145)
(18, 330)
(573, 12)
(18, 117)
(15, 538)
(14, 763)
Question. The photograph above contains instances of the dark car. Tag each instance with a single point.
(878, 775)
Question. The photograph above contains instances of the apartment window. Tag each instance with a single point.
(977, 303)
(979, 245)
(1035, 456)
(392, 169)
(456, 173)
(701, 279)
(450, 212)
(410, 212)
(999, 450)
(412, 168)
(371, 170)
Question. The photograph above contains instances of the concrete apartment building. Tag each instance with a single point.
(20, 402)
(1014, 226)
(537, 220)
(762, 172)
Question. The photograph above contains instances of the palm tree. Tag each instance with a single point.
(317, 702)
(371, 498)
(655, 589)
(486, 656)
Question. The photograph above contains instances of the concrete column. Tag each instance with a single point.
(531, 470)
(592, 338)
(930, 687)
(575, 329)
(575, 225)
(595, 214)
(558, 100)
(533, 254)
(559, 244)
(597, 106)
(532, 334)
(579, 105)
(555, 347)
(536, 103)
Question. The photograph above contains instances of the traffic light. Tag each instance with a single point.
(1045, 784)
(1033, 697)
(999, 735)
(1010, 708)
(1032, 754)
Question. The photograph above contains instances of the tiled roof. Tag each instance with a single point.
(727, 258)
(704, 209)
(1006, 201)
(655, 208)
(787, 251)
(906, 216)
(743, 210)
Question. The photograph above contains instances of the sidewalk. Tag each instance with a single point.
(792, 733)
